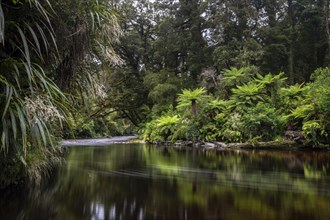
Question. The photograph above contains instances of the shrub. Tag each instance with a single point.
(161, 129)
(263, 121)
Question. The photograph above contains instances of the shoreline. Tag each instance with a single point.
(198, 145)
(220, 146)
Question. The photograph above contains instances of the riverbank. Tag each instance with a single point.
(219, 146)
(214, 146)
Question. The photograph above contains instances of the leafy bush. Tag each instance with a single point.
(262, 121)
(231, 126)
(167, 125)
(150, 133)
(291, 97)
(311, 130)
(161, 129)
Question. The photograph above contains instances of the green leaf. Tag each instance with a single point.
(26, 52)
(41, 132)
(9, 93)
(23, 125)
(35, 38)
(13, 123)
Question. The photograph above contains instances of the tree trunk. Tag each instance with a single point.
(291, 43)
(194, 107)
(326, 23)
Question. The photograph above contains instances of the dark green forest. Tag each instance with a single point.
(211, 70)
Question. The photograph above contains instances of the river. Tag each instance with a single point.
(135, 181)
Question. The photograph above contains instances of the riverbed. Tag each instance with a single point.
(136, 181)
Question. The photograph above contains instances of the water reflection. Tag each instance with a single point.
(141, 182)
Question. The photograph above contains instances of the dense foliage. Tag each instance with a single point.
(43, 49)
(231, 49)
(260, 109)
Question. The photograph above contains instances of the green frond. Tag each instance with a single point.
(217, 104)
(191, 95)
(248, 94)
(270, 78)
(166, 120)
(303, 111)
(235, 76)
(293, 90)
(249, 89)
(188, 97)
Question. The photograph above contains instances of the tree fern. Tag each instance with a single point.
(191, 98)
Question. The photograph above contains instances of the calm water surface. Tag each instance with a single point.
(132, 181)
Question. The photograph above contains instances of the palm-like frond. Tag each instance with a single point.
(167, 120)
(293, 91)
(248, 93)
(303, 112)
(249, 89)
(270, 78)
(235, 76)
(216, 105)
(167, 124)
(187, 96)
